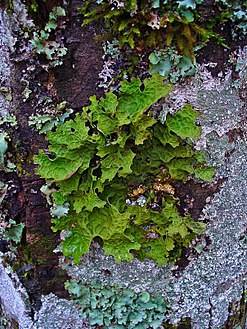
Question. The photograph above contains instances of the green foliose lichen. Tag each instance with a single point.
(43, 40)
(10, 235)
(115, 165)
(171, 65)
(3, 147)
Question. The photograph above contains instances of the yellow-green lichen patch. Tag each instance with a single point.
(115, 166)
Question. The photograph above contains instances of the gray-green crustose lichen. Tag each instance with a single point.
(116, 150)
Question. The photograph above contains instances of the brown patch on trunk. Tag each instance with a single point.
(193, 196)
(77, 80)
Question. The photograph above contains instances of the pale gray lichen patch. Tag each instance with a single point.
(225, 107)
(216, 98)
(57, 313)
(9, 25)
(137, 275)
(6, 45)
(217, 277)
(14, 299)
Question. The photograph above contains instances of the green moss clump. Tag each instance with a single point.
(156, 24)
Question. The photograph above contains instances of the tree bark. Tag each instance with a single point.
(205, 290)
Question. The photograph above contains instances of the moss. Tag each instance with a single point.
(21, 159)
(145, 24)
(38, 250)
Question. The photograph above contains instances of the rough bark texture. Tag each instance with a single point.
(206, 289)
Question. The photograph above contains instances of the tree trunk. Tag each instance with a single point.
(205, 290)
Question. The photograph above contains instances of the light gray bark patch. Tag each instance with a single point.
(14, 299)
(6, 46)
(57, 313)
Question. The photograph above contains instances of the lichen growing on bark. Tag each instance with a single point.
(214, 278)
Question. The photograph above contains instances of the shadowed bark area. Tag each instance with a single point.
(74, 82)
(40, 9)
(77, 80)
(37, 264)
(237, 314)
